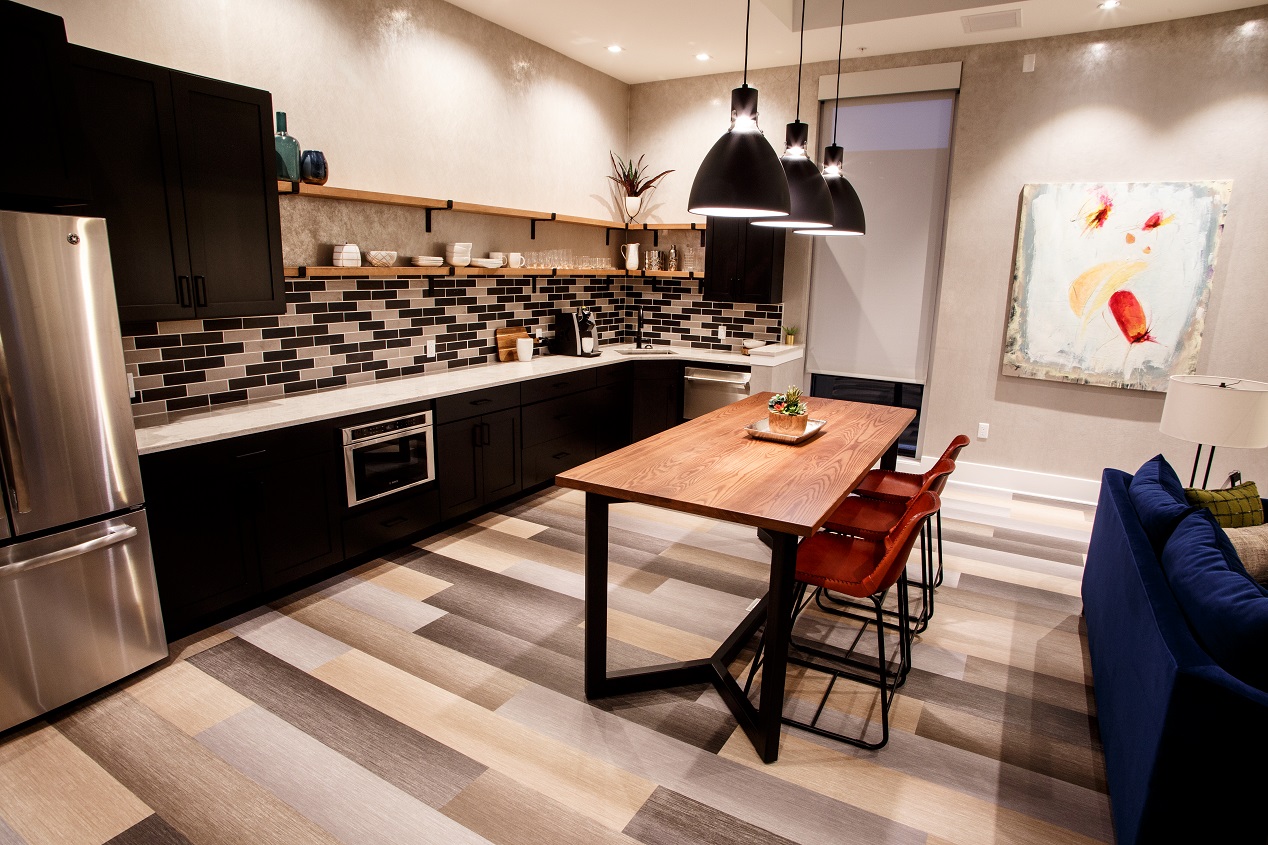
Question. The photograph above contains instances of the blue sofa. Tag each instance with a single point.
(1186, 741)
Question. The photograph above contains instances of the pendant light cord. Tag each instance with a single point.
(801, 52)
(836, 105)
(747, 15)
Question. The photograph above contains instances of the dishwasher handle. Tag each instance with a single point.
(738, 380)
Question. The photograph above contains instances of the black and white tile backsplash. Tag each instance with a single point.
(344, 330)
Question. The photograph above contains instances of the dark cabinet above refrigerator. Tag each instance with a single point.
(41, 146)
(182, 168)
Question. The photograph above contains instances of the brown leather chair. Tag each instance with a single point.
(874, 518)
(863, 569)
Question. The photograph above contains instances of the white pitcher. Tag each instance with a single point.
(630, 253)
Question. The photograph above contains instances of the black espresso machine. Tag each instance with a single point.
(572, 331)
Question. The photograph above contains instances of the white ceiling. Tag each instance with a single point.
(660, 38)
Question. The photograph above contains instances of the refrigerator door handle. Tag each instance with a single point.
(10, 448)
(116, 535)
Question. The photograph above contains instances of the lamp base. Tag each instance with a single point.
(1197, 458)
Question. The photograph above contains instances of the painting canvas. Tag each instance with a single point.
(1112, 281)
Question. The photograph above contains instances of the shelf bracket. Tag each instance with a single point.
(607, 234)
(429, 210)
(532, 225)
(294, 186)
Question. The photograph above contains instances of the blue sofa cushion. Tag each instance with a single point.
(1158, 497)
(1226, 609)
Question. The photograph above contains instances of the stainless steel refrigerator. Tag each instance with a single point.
(79, 607)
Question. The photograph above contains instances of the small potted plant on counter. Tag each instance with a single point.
(629, 177)
(787, 412)
(790, 335)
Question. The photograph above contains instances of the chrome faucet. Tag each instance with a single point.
(638, 337)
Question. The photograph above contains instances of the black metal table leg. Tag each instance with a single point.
(596, 648)
(889, 460)
(770, 709)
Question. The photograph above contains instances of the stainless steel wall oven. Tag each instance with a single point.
(386, 456)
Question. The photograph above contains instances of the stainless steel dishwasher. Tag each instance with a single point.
(707, 390)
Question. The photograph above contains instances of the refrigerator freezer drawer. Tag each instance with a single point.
(78, 610)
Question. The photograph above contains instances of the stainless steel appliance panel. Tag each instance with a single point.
(78, 610)
(66, 434)
(706, 390)
(388, 456)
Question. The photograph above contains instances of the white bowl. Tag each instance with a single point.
(750, 343)
(381, 257)
(457, 260)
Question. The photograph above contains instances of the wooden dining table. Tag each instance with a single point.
(710, 466)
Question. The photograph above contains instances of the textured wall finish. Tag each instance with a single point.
(404, 96)
(1184, 100)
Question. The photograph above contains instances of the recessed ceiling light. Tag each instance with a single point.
(1109, 4)
(703, 57)
(614, 48)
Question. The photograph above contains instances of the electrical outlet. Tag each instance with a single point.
(1028, 63)
(721, 332)
(429, 349)
(983, 431)
(538, 332)
(131, 387)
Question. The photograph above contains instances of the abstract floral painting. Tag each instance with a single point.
(1112, 280)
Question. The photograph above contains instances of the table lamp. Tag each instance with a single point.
(1217, 412)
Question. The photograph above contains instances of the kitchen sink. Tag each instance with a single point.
(658, 351)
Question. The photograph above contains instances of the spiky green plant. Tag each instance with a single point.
(629, 176)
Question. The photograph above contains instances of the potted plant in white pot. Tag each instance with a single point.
(629, 177)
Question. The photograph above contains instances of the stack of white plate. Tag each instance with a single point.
(458, 255)
(486, 263)
(426, 260)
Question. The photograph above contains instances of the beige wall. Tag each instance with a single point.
(1185, 100)
(409, 96)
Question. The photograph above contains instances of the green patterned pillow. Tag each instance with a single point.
(1236, 507)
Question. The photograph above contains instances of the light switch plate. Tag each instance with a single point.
(983, 431)
(429, 349)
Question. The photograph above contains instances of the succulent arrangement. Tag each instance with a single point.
(791, 402)
(629, 176)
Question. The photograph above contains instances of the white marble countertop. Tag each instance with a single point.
(237, 420)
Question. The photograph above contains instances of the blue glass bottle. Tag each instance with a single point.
(287, 152)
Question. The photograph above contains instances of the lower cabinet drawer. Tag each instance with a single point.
(555, 418)
(546, 460)
(390, 521)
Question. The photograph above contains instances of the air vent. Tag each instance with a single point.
(1009, 19)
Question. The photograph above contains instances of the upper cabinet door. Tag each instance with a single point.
(743, 263)
(229, 173)
(41, 145)
(135, 172)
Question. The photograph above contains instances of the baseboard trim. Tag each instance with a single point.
(1065, 488)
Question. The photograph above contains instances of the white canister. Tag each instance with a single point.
(347, 255)
(523, 348)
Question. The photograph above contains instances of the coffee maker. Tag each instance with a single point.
(571, 332)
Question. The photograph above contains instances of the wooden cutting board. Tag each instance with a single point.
(506, 337)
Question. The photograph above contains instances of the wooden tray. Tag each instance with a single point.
(760, 430)
(506, 337)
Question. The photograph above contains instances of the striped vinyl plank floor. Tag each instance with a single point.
(434, 695)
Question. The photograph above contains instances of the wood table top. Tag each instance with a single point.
(711, 467)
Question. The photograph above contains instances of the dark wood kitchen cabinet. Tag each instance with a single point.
(41, 147)
(233, 520)
(657, 397)
(743, 263)
(183, 169)
(477, 448)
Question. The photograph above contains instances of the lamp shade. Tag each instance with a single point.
(741, 175)
(811, 202)
(1217, 411)
(847, 209)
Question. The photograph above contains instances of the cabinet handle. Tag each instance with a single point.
(477, 435)
(200, 290)
(561, 384)
(484, 401)
(182, 292)
(562, 417)
(488, 434)
(396, 520)
(250, 454)
(560, 455)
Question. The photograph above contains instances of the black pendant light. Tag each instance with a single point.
(811, 202)
(741, 176)
(847, 210)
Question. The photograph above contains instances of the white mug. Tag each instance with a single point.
(587, 345)
(515, 259)
(523, 348)
(498, 256)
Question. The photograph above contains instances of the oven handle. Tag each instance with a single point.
(394, 435)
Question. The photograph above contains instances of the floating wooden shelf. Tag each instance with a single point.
(303, 272)
(430, 204)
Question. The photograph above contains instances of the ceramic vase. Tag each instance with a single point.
(788, 423)
(632, 206)
(312, 167)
